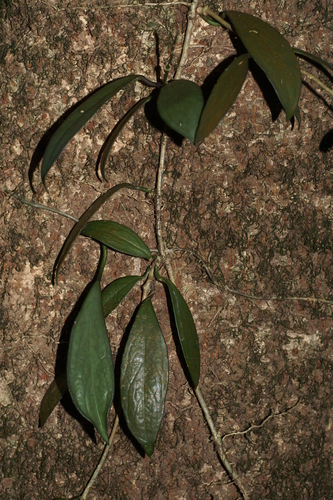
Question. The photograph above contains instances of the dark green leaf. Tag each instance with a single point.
(118, 237)
(81, 114)
(180, 104)
(116, 291)
(90, 374)
(52, 397)
(83, 221)
(272, 52)
(186, 330)
(116, 131)
(222, 96)
(144, 377)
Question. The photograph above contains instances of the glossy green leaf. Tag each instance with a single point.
(118, 237)
(186, 330)
(116, 291)
(75, 121)
(144, 377)
(116, 131)
(272, 52)
(180, 105)
(222, 96)
(52, 397)
(90, 375)
(96, 205)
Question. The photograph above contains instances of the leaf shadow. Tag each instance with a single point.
(327, 142)
(318, 96)
(156, 121)
(261, 79)
(267, 90)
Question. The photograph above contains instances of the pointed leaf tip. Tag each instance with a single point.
(222, 96)
(116, 291)
(144, 377)
(273, 54)
(118, 237)
(90, 375)
(186, 329)
(77, 119)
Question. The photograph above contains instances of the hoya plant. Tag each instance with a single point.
(186, 112)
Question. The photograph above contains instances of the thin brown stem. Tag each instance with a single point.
(101, 461)
(217, 438)
(258, 426)
(225, 287)
(187, 39)
(158, 201)
(158, 208)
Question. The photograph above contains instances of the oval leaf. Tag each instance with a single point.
(52, 397)
(180, 105)
(77, 118)
(222, 96)
(272, 52)
(118, 237)
(144, 377)
(90, 374)
(186, 330)
(116, 291)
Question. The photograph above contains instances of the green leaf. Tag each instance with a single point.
(118, 237)
(77, 118)
(180, 105)
(83, 221)
(116, 131)
(272, 52)
(116, 291)
(90, 374)
(186, 330)
(222, 96)
(52, 397)
(144, 377)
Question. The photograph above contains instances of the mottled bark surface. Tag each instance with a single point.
(254, 200)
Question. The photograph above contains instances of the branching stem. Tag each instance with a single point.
(163, 252)
(217, 438)
(258, 426)
(158, 208)
(225, 287)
